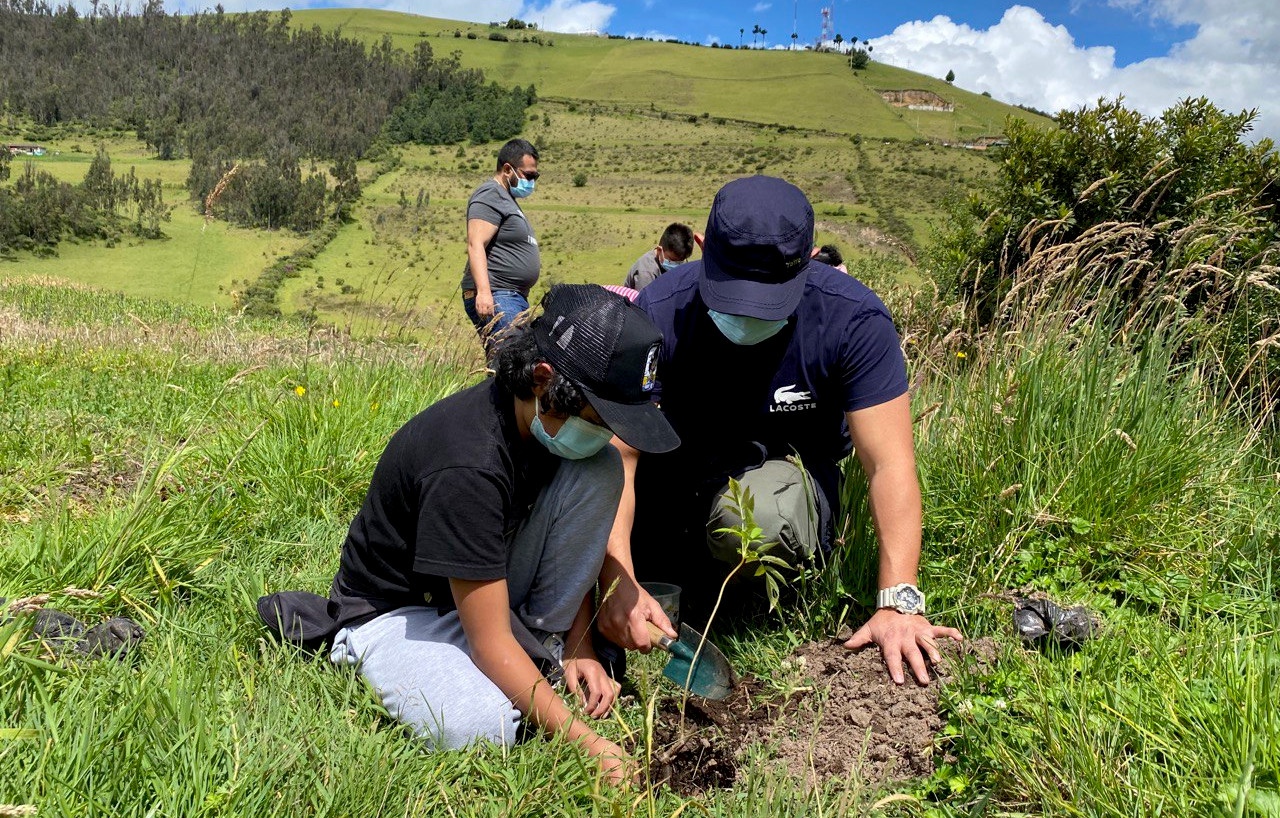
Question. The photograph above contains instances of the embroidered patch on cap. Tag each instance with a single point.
(650, 369)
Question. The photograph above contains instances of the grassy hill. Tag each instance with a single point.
(401, 262)
(656, 128)
(806, 89)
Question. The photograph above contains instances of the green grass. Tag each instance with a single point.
(170, 464)
(196, 262)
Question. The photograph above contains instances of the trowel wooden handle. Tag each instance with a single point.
(658, 638)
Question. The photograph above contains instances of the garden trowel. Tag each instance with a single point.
(711, 675)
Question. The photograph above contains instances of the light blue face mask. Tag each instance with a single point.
(744, 330)
(522, 188)
(668, 265)
(576, 440)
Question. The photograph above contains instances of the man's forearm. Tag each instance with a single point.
(479, 264)
(894, 497)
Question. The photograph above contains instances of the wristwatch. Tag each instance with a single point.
(903, 598)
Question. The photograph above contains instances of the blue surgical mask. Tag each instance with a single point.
(522, 188)
(668, 265)
(576, 440)
(744, 330)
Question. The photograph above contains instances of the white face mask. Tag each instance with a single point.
(744, 330)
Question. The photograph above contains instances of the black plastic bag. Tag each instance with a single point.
(62, 632)
(1044, 622)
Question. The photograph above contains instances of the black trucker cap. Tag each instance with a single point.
(610, 348)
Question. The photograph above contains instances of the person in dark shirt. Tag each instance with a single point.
(503, 258)
(484, 529)
(674, 248)
(769, 358)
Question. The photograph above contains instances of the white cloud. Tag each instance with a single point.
(1233, 58)
(555, 15)
(759, 8)
(711, 39)
(570, 15)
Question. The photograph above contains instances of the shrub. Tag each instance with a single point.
(1165, 220)
(580, 179)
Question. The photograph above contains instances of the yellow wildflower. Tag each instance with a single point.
(300, 390)
(336, 403)
(961, 355)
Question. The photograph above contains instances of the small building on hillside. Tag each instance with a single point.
(26, 150)
(917, 100)
(982, 143)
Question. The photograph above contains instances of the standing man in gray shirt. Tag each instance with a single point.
(503, 262)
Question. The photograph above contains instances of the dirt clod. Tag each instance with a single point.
(839, 715)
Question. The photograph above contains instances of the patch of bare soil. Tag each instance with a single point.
(844, 718)
(868, 237)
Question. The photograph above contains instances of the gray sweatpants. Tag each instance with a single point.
(419, 663)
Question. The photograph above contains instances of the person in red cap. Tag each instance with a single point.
(466, 580)
(768, 358)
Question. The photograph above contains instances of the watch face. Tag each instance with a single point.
(909, 598)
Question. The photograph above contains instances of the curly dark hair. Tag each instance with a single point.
(513, 364)
(829, 254)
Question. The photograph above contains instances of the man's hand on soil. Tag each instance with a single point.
(903, 637)
(587, 678)
(623, 615)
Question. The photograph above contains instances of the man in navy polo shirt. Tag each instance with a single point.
(768, 354)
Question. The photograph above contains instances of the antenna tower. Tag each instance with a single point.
(827, 37)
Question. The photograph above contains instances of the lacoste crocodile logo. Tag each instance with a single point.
(783, 394)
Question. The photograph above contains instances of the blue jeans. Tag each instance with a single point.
(507, 304)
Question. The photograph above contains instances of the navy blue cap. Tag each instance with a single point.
(756, 254)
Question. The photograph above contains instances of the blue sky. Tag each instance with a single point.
(1132, 31)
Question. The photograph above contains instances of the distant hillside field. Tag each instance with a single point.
(804, 89)
(655, 128)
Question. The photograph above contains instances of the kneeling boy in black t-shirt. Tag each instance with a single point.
(484, 530)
